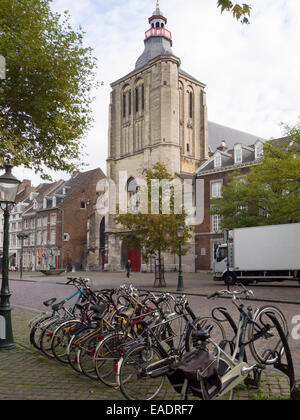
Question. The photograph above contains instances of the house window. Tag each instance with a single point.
(53, 236)
(32, 239)
(238, 154)
(216, 190)
(39, 222)
(83, 205)
(26, 224)
(216, 223)
(143, 98)
(53, 219)
(217, 160)
(45, 221)
(39, 238)
(45, 237)
(259, 150)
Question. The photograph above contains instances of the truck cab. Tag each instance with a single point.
(220, 261)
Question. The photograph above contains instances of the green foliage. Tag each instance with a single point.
(270, 192)
(45, 99)
(239, 11)
(155, 233)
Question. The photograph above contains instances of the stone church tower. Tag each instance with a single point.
(157, 113)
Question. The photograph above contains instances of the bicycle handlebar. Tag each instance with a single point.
(234, 294)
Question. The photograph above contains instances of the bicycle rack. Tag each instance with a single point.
(286, 368)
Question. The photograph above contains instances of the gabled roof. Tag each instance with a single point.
(218, 133)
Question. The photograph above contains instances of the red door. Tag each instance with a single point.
(134, 255)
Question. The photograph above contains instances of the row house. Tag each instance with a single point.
(15, 224)
(56, 223)
(214, 172)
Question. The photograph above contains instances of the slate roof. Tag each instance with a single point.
(218, 133)
(154, 47)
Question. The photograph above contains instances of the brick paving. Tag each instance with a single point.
(25, 374)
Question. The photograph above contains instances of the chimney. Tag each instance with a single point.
(223, 146)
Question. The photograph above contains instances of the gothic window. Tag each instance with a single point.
(143, 97)
(129, 102)
(136, 99)
(191, 104)
(124, 106)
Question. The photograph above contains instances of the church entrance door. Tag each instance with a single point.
(135, 256)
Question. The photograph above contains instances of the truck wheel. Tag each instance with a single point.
(229, 279)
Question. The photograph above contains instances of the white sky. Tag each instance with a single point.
(251, 71)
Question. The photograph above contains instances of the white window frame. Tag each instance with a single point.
(52, 236)
(53, 219)
(259, 150)
(238, 154)
(217, 160)
(216, 189)
(216, 223)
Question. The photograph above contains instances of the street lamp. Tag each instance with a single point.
(8, 190)
(180, 235)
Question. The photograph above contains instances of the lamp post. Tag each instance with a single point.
(22, 236)
(180, 234)
(8, 191)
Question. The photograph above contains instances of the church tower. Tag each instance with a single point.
(157, 113)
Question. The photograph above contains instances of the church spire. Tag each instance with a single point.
(158, 39)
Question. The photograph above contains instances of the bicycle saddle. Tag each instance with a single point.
(203, 334)
(49, 302)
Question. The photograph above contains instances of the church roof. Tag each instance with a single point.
(218, 133)
(154, 47)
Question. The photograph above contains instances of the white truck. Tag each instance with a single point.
(262, 253)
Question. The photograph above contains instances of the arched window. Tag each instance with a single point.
(190, 99)
(124, 105)
(136, 99)
(139, 96)
(157, 24)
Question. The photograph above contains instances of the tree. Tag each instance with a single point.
(45, 97)
(270, 192)
(155, 234)
(239, 11)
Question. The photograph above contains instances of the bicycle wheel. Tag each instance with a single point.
(267, 348)
(217, 333)
(134, 383)
(86, 354)
(46, 336)
(75, 344)
(107, 355)
(36, 331)
(61, 337)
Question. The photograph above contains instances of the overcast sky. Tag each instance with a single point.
(252, 72)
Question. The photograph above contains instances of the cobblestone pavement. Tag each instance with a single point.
(25, 374)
